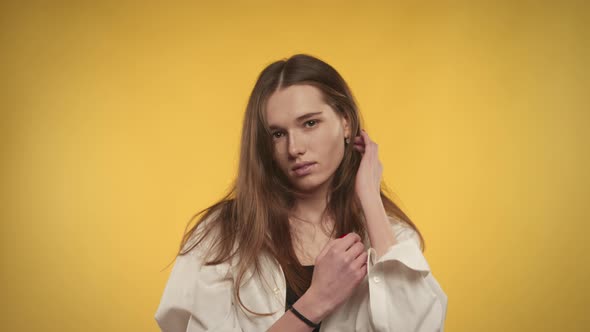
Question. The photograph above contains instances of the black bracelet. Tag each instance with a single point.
(305, 320)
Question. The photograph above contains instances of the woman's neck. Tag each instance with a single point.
(310, 207)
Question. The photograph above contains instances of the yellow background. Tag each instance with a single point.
(119, 120)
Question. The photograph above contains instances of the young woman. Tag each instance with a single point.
(306, 240)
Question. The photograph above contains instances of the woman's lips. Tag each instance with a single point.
(304, 170)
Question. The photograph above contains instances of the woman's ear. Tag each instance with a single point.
(346, 126)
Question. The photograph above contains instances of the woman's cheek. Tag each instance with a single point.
(280, 160)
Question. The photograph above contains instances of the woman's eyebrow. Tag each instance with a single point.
(299, 118)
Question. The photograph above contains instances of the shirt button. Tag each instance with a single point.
(276, 290)
(376, 279)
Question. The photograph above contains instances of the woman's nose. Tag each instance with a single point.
(296, 146)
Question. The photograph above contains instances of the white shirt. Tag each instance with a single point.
(399, 294)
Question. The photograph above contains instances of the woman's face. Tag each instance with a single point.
(306, 131)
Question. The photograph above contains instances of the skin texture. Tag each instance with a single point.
(318, 138)
(340, 264)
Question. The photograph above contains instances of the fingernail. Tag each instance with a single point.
(343, 235)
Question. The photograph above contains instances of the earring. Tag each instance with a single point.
(346, 140)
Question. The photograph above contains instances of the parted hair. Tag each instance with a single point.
(253, 216)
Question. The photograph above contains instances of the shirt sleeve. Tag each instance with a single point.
(403, 293)
(197, 297)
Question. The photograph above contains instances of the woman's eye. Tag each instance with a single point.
(312, 123)
(308, 124)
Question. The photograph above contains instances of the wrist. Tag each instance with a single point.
(370, 199)
(312, 307)
(369, 194)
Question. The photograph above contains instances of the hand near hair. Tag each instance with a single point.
(339, 268)
(368, 177)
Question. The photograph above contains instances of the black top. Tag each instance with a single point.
(292, 297)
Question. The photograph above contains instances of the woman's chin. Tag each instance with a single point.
(308, 186)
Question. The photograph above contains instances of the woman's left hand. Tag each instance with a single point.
(368, 177)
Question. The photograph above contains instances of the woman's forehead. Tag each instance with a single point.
(295, 103)
(295, 97)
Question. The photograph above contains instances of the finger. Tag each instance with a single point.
(359, 142)
(356, 249)
(346, 242)
(370, 145)
(365, 136)
(360, 260)
(367, 141)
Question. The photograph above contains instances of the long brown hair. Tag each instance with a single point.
(253, 217)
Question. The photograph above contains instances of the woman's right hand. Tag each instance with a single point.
(339, 268)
